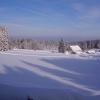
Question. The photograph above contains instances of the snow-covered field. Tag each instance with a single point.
(49, 76)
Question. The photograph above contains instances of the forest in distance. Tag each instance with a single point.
(21, 43)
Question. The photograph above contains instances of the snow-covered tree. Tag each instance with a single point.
(61, 47)
(3, 39)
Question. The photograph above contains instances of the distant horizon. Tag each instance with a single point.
(54, 38)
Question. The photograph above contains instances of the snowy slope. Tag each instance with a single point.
(43, 75)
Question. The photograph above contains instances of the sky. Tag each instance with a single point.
(70, 19)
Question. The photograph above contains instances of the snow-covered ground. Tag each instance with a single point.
(49, 76)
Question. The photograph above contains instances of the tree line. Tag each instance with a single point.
(33, 44)
(57, 45)
(88, 44)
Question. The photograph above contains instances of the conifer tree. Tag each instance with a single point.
(61, 48)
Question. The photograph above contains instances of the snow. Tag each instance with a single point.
(92, 51)
(76, 48)
(67, 53)
(50, 76)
